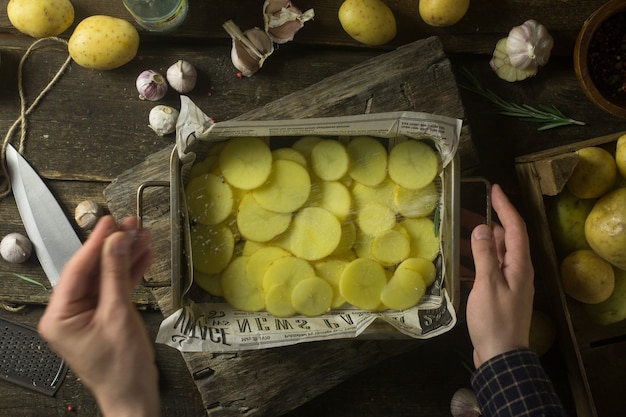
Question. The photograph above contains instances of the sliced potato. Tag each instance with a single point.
(375, 218)
(312, 296)
(211, 283)
(286, 271)
(207, 165)
(331, 269)
(332, 196)
(289, 154)
(382, 193)
(314, 233)
(250, 247)
(239, 292)
(416, 203)
(368, 160)
(348, 238)
(404, 290)
(329, 160)
(424, 243)
(246, 162)
(305, 145)
(362, 282)
(413, 164)
(287, 187)
(278, 301)
(258, 224)
(424, 267)
(390, 247)
(261, 260)
(209, 199)
(212, 247)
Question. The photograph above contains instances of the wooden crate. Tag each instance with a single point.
(595, 355)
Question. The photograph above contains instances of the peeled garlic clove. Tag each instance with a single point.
(250, 48)
(501, 64)
(163, 119)
(283, 19)
(529, 45)
(464, 403)
(151, 85)
(182, 76)
(15, 248)
(87, 213)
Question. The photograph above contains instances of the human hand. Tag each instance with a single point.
(500, 304)
(92, 323)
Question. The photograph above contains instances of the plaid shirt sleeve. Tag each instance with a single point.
(515, 384)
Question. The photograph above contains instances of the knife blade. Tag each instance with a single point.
(53, 237)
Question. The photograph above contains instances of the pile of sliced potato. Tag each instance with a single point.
(311, 227)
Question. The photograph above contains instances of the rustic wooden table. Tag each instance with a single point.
(91, 128)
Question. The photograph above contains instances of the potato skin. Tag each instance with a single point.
(605, 227)
(103, 42)
(40, 18)
(442, 13)
(370, 22)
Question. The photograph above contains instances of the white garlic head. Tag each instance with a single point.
(283, 19)
(162, 119)
(15, 248)
(182, 76)
(529, 45)
(250, 48)
(87, 213)
(151, 85)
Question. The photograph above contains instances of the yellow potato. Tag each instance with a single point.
(239, 292)
(362, 282)
(261, 260)
(375, 218)
(40, 18)
(413, 164)
(211, 283)
(370, 22)
(620, 155)
(382, 193)
(211, 247)
(594, 174)
(314, 234)
(287, 188)
(246, 162)
(331, 270)
(404, 290)
(587, 277)
(605, 227)
(258, 224)
(305, 145)
(390, 247)
(424, 267)
(416, 203)
(442, 13)
(103, 42)
(289, 154)
(329, 160)
(368, 160)
(209, 199)
(424, 243)
(278, 301)
(312, 296)
(332, 196)
(286, 271)
(348, 238)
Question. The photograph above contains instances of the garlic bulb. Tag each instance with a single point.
(163, 119)
(87, 213)
(182, 76)
(283, 19)
(529, 45)
(250, 48)
(151, 85)
(15, 248)
(501, 64)
(464, 403)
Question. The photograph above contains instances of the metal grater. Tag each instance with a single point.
(26, 359)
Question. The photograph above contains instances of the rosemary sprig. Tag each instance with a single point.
(30, 280)
(550, 116)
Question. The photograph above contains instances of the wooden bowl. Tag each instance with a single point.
(584, 50)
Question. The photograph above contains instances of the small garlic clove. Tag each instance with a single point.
(529, 45)
(182, 76)
(87, 213)
(250, 48)
(283, 19)
(162, 119)
(15, 248)
(151, 85)
(464, 403)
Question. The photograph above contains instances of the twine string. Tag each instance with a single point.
(5, 185)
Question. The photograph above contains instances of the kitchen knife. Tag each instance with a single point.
(53, 237)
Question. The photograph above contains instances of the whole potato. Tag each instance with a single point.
(103, 42)
(442, 12)
(40, 18)
(613, 309)
(594, 174)
(605, 227)
(370, 22)
(587, 277)
(620, 155)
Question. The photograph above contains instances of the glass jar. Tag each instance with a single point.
(158, 15)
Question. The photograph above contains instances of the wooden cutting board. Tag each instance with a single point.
(271, 382)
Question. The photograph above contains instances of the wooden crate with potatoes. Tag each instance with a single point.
(576, 218)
